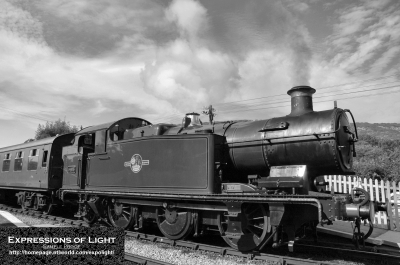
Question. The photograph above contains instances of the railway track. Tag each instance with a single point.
(143, 260)
(128, 256)
(376, 253)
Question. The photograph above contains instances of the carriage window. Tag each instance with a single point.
(33, 159)
(44, 159)
(6, 163)
(18, 161)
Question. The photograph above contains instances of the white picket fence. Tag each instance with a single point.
(380, 191)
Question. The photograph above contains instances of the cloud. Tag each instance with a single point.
(38, 79)
(186, 72)
(20, 23)
(99, 108)
(298, 5)
(190, 17)
(254, 45)
(91, 28)
(365, 35)
(269, 26)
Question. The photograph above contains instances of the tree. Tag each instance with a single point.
(51, 129)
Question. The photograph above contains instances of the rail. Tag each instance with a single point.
(144, 260)
(376, 252)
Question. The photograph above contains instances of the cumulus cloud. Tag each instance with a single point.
(38, 79)
(205, 67)
(186, 72)
(190, 17)
(149, 58)
(367, 32)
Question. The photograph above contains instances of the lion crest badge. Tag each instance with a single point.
(136, 163)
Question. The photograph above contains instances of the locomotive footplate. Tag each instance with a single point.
(212, 202)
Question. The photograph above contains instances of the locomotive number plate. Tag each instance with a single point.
(233, 187)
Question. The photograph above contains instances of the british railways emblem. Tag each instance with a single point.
(136, 163)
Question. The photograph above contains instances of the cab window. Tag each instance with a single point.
(118, 130)
(86, 143)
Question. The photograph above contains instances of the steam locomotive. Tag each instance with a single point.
(255, 183)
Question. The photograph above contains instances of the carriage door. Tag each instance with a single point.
(85, 147)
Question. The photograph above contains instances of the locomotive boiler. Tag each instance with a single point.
(254, 183)
(322, 141)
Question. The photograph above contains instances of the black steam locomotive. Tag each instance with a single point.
(254, 183)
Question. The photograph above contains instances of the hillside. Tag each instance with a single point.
(386, 131)
(378, 151)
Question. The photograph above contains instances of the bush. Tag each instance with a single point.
(51, 129)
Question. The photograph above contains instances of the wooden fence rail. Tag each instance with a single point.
(380, 191)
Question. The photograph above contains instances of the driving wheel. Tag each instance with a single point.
(90, 216)
(174, 223)
(255, 227)
(121, 215)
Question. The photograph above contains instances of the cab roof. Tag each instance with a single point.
(105, 126)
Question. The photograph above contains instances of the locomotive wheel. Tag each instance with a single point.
(90, 217)
(255, 226)
(23, 206)
(48, 209)
(173, 223)
(121, 215)
(36, 203)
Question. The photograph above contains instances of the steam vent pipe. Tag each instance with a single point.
(301, 100)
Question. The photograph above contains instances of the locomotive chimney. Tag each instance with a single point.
(301, 100)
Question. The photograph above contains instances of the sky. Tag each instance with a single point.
(95, 61)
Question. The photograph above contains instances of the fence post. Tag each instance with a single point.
(389, 206)
(378, 214)
(396, 207)
(383, 193)
(376, 191)
(350, 183)
(334, 183)
(371, 189)
(345, 184)
(340, 184)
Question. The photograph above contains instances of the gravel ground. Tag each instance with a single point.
(181, 256)
(184, 256)
(30, 220)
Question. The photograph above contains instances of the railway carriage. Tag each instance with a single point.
(32, 172)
